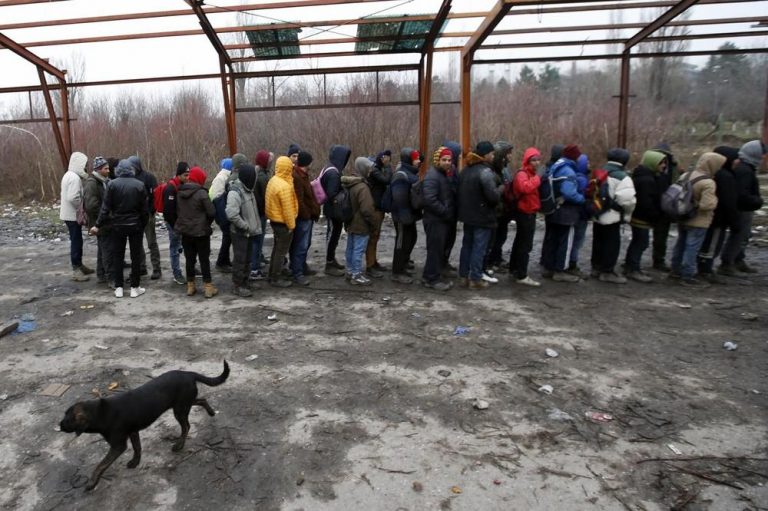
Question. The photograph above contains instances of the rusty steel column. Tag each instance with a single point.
(233, 107)
(228, 114)
(426, 105)
(466, 109)
(765, 115)
(54, 123)
(66, 127)
(623, 101)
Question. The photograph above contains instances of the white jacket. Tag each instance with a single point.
(218, 184)
(623, 193)
(72, 187)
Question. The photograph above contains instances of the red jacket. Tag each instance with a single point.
(526, 184)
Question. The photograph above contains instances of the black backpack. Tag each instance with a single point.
(340, 207)
(220, 205)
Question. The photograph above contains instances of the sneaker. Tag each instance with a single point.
(401, 278)
(662, 266)
(156, 274)
(612, 277)
(224, 268)
(373, 272)
(528, 281)
(561, 276)
(489, 279)
(335, 264)
(694, 282)
(333, 270)
(301, 280)
(179, 279)
(574, 269)
(86, 270)
(728, 270)
(242, 291)
(309, 271)
(464, 281)
(256, 275)
(118, 292)
(438, 285)
(137, 291)
(79, 276)
(742, 266)
(639, 276)
(280, 283)
(478, 284)
(359, 279)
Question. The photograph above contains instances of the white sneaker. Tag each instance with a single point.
(118, 292)
(488, 278)
(137, 291)
(528, 281)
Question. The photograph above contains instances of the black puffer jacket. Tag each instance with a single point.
(403, 178)
(648, 193)
(195, 211)
(125, 202)
(478, 193)
(146, 177)
(749, 188)
(338, 157)
(438, 195)
(378, 179)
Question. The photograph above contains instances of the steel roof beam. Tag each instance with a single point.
(27, 55)
(205, 24)
(658, 23)
(437, 25)
(616, 56)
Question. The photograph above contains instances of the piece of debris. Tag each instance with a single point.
(386, 299)
(54, 389)
(87, 307)
(113, 385)
(445, 373)
(748, 316)
(674, 449)
(6, 329)
(730, 345)
(496, 482)
(300, 481)
(455, 489)
(415, 315)
(684, 305)
(461, 330)
(251, 357)
(557, 414)
(272, 317)
(598, 416)
(417, 487)
(551, 353)
(65, 314)
(546, 389)
(480, 404)
(3, 397)
(100, 347)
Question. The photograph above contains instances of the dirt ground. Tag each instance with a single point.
(362, 398)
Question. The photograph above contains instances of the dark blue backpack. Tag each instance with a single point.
(220, 205)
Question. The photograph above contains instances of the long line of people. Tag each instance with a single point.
(485, 196)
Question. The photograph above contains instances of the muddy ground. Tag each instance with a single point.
(362, 398)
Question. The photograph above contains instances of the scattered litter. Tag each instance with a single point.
(599, 416)
(54, 389)
(547, 389)
(684, 305)
(445, 373)
(674, 449)
(56, 240)
(299, 481)
(417, 487)
(28, 260)
(3, 397)
(96, 392)
(496, 482)
(455, 489)
(87, 306)
(416, 315)
(272, 317)
(126, 373)
(27, 324)
(755, 391)
(730, 345)
(8, 328)
(386, 299)
(480, 404)
(113, 385)
(251, 357)
(461, 330)
(57, 428)
(100, 347)
(748, 316)
(65, 314)
(551, 353)
(556, 414)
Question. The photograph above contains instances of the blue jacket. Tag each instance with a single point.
(401, 189)
(570, 211)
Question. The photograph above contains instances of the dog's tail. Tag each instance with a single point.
(212, 382)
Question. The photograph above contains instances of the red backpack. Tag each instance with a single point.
(157, 196)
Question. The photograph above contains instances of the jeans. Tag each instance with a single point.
(555, 248)
(437, 234)
(226, 242)
(523, 244)
(473, 248)
(241, 258)
(174, 247)
(257, 253)
(104, 266)
(282, 243)
(356, 246)
(689, 240)
(640, 240)
(405, 240)
(606, 245)
(75, 243)
(579, 235)
(135, 237)
(154, 250)
(660, 235)
(197, 247)
(302, 238)
(373, 240)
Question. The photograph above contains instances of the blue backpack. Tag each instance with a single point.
(549, 190)
(220, 205)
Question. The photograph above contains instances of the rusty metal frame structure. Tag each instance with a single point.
(467, 51)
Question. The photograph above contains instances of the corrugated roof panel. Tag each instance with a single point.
(260, 42)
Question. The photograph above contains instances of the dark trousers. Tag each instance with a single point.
(75, 243)
(500, 235)
(555, 248)
(280, 246)
(373, 241)
(736, 243)
(197, 248)
(660, 235)
(154, 249)
(242, 251)
(104, 266)
(450, 241)
(134, 236)
(711, 248)
(523, 244)
(332, 235)
(640, 240)
(437, 234)
(405, 240)
(226, 242)
(606, 245)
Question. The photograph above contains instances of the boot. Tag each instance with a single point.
(210, 291)
(191, 289)
(79, 276)
(85, 270)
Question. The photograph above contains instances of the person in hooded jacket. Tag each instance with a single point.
(170, 215)
(218, 188)
(338, 157)
(362, 223)
(439, 215)
(309, 213)
(195, 213)
(150, 183)
(649, 180)
(93, 196)
(606, 230)
(126, 210)
(669, 175)
(555, 249)
(525, 187)
(580, 227)
(726, 215)
(378, 180)
(449, 270)
(71, 199)
(244, 224)
(282, 208)
(263, 160)
(733, 259)
(494, 260)
(555, 152)
(403, 214)
(477, 200)
(691, 232)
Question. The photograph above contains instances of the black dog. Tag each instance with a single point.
(120, 417)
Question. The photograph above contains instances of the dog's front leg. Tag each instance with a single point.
(204, 403)
(114, 452)
(136, 444)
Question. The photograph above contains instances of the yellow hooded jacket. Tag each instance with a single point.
(282, 206)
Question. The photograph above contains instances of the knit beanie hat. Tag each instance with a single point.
(247, 175)
(99, 162)
(483, 148)
(439, 153)
(197, 175)
(182, 167)
(572, 152)
(619, 155)
(752, 152)
(415, 155)
(262, 159)
(293, 149)
(238, 160)
(304, 159)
